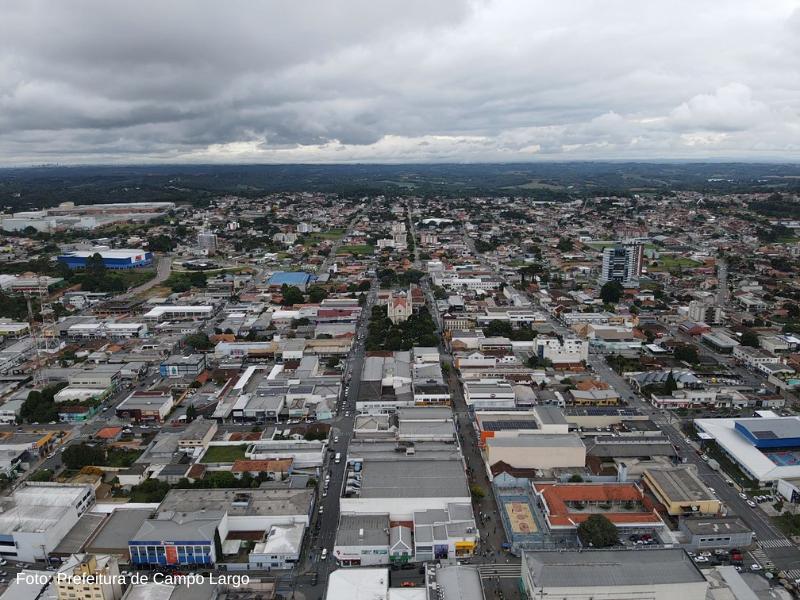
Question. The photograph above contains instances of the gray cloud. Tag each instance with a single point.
(398, 80)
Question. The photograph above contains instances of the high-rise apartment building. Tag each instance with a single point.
(622, 263)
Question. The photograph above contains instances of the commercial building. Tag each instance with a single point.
(719, 342)
(716, 532)
(184, 530)
(13, 329)
(485, 395)
(178, 538)
(279, 549)
(569, 351)
(178, 313)
(37, 516)
(537, 451)
(112, 259)
(145, 406)
(362, 540)
(402, 484)
(755, 358)
(538, 420)
(183, 366)
(358, 584)
(297, 279)
(652, 575)
(622, 263)
(445, 533)
(681, 492)
(197, 434)
(765, 449)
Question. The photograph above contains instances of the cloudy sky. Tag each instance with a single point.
(398, 80)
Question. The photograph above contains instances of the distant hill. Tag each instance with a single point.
(46, 186)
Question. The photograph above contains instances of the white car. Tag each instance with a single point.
(743, 496)
(755, 567)
(701, 559)
(336, 439)
(751, 504)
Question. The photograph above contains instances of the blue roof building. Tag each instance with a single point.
(299, 279)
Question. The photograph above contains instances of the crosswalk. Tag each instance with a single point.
(793, 574)
(762, 558)
(775, 543)
(499, 571)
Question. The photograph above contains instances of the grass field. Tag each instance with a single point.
(319, 236)
(357, 249)
(223, 454)
(665, 263)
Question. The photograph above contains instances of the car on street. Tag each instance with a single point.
(742, 495)
(755, 567)
(751, 504)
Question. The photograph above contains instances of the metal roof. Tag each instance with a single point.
(611, 568)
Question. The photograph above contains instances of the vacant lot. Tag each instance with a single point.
(223, 454)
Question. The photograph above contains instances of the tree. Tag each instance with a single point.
(149, 491)
(198, 341)
(670, 385)
(750, 338)
(316, 294)
(191, 413)
(81, 455)
(291, 295)
(160, 243)
(498, 328)
(535, 362)
(39, 407)
(42, 475)
(687, 353)
(598, 532)
(611, 292)
(576, 478)
(564, 244)
(476, 491)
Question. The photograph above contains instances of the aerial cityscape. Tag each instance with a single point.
(470, 300)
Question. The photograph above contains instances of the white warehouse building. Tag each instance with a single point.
(37, 516)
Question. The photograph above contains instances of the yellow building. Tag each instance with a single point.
(681, 491)
(89, 577)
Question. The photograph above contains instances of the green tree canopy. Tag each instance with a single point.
(687, 353)
(317, 294)
(611, 292)
(598, 532)
(82, 455)
(291, 295)
(750, 338)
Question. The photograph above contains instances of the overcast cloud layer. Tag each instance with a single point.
(398, 80)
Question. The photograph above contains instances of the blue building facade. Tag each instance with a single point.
(766, 434)
(114, 259)
(162, 554)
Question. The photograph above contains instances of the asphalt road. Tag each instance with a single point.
(163, 269)
(324, 526)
